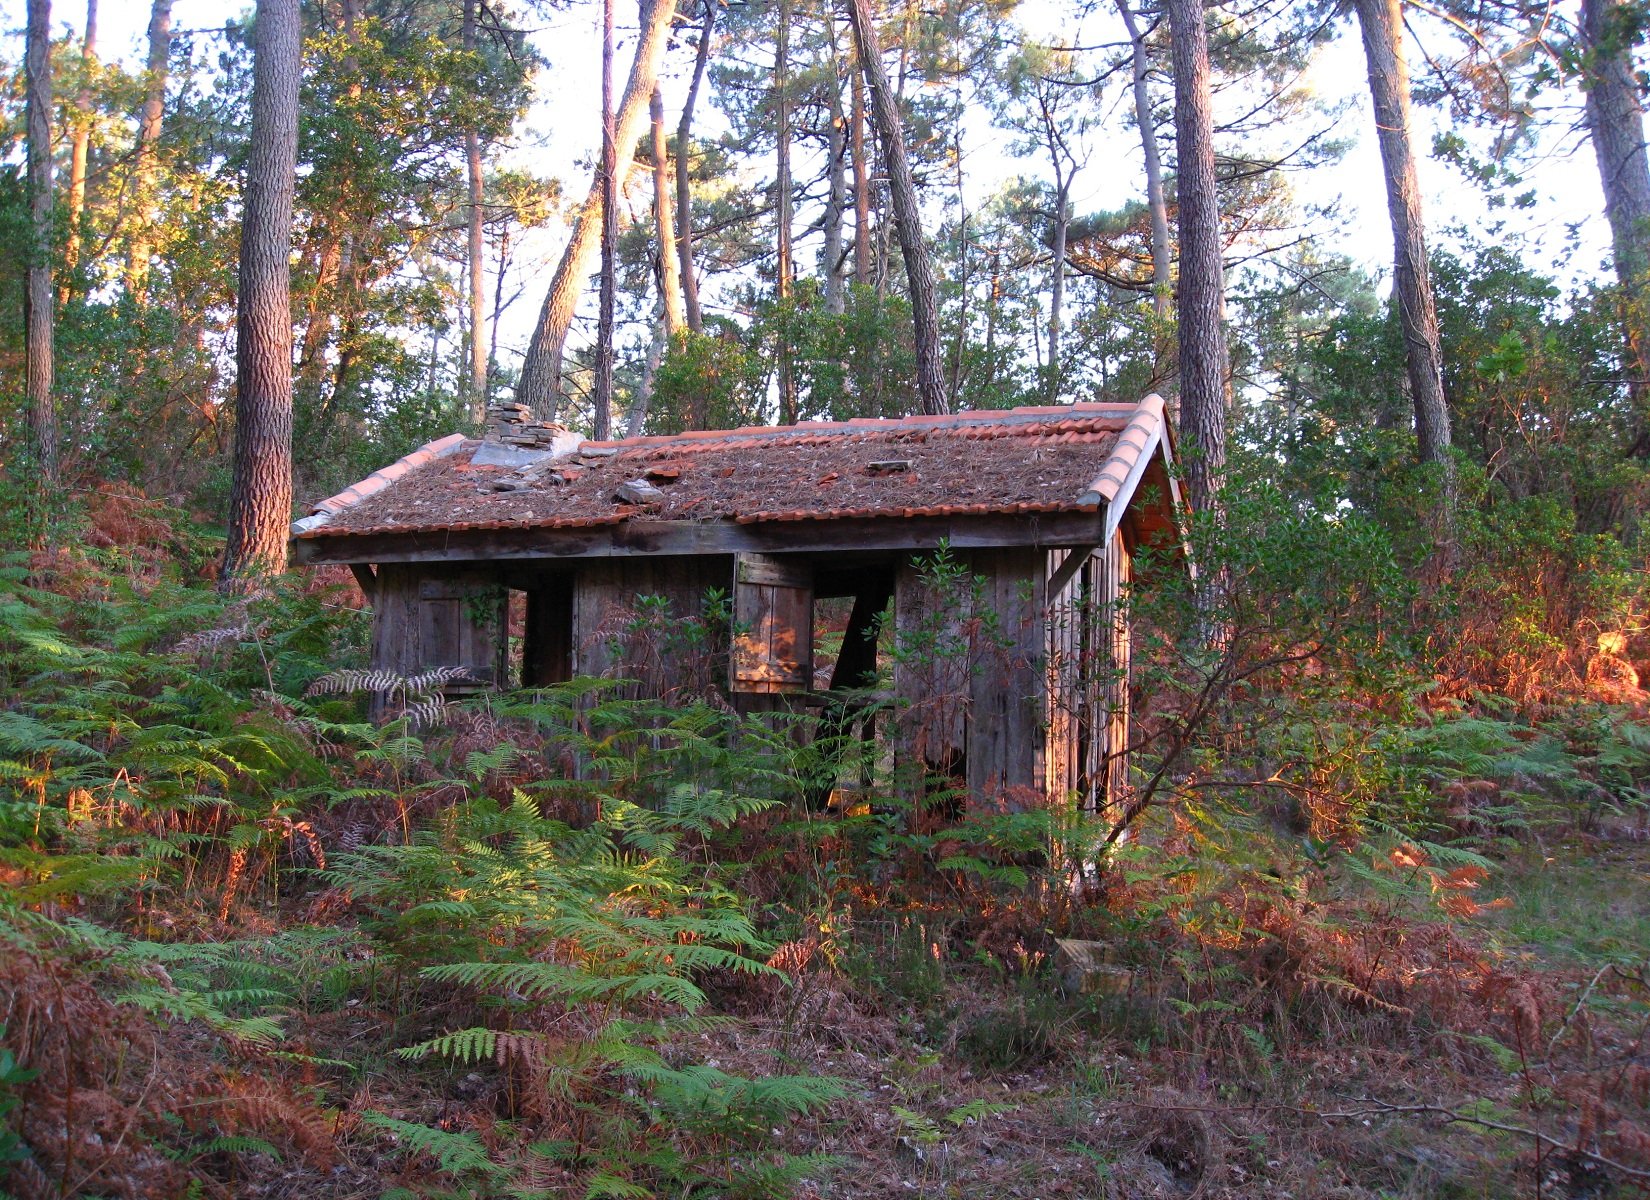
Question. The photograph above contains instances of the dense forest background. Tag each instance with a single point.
(1370, 920)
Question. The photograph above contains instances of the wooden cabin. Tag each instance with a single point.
(761, 562)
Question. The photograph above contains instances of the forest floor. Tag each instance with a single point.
(963, 1080)
(992, 1088)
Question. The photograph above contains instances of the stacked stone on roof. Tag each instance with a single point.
(513, 425)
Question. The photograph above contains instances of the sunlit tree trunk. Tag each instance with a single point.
(862, 176)
(836, 198)
(1162, 285)
(81, 146)
(1381, 22)
(540, 384)
(684, 183)
(260, 498)
(498, 299)
(1204, 383)
(965, 286)
(636, 418)
(602, 399)
(1615, 125)
(144, 165)
(477, 252)
(784, 268)
(919, 270)
(664, 227)
(39, 299)
(1057, 278)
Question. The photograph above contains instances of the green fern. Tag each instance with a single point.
(467, 1046)
(233, 1144)
(460, 1155)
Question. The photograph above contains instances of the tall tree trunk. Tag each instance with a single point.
(919, 272)
(1381, 22)
(82, 142)
(602, 399)
(862, 176)
(1615, 125)
(144, 166)
(965, 281)
(318, 312)
(1204, 383)
(1057, 280)
(784, 268)
(477, 252)
(684, 188)
(836, 198)
(260, 498)
(1162, 286)
(994, 299)
(636, 419)
(540, 384)
(498, 298)
(664, 228)
(38, 310)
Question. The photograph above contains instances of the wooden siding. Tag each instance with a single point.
(638, 619)
(446, 618)
(970, 664)
(1006, 742)
(1066, 693)
(1105, 678)
(1113, 630)
(931, 668)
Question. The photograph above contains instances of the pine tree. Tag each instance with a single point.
(260, 500)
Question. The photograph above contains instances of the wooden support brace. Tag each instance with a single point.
(366, 577)
(1067, 570)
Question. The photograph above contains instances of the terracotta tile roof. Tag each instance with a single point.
(1062, 458)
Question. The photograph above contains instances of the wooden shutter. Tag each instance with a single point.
(773, 616)
(460, 624)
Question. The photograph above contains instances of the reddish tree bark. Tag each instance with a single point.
(478, 300)
(1162, 284)
(919, 271)
(862, 176)
(602, 418)
(664, 226)
(1205, 389)
(1381, 22)
(260, 498)
(1615, 126)
(784, 267)
(540, 383)
(82, 143)
(684, 190)
(143, 169)
(39, 299)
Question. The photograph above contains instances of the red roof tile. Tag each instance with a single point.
(1024, 460)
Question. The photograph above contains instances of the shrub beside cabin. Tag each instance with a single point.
(759, 563)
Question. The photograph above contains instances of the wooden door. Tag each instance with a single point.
(461, 622)
(773, 624)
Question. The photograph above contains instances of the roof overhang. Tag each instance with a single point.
(644, 537)
(1135, 490)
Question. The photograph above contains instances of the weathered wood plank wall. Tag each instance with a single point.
(661, 643)
(1006, 738)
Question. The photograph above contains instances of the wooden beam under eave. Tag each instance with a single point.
(365, 578)
(648, 538)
